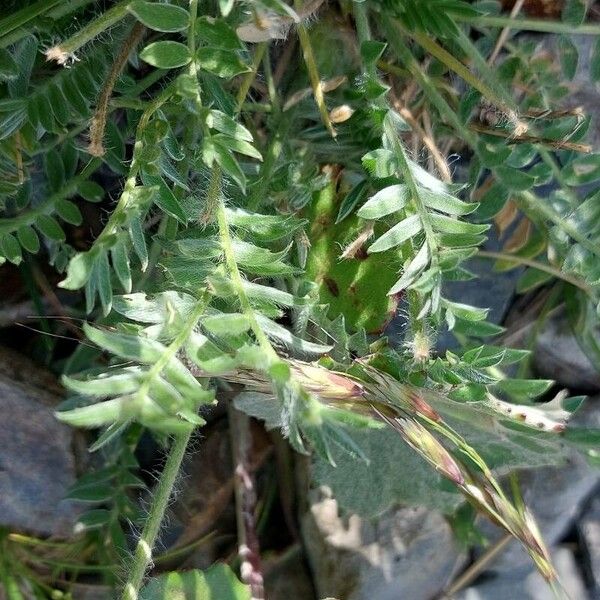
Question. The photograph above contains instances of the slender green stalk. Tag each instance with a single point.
(63, 52)
(259, 53)
(407, 176)
(142, 557)
(232, 267)
(362, 21)
(420, 342)
(143, 551)
(485, 70)
(363, 30)
(558, 175)
(171, 351)
(534, 264)
(530, 25)
(395, 40)
(23, 16)
(460, 69)
(127, 196)
(282, 126)
(271, 87)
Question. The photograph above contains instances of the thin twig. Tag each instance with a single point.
(477, 567)
(245, 503)
(428, 141)
(505, 33)
(534, 264)
(52, 300)
(12, 314)
(531, 139)
(19, 158)
(98, 122)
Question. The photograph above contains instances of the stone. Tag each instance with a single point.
(557, 497)
(589, 535)
(585, 91)
(525, 583)
(37, 464)
(403, 553)
(287, 576)
(557, 356)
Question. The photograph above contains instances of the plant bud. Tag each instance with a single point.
(341, 113)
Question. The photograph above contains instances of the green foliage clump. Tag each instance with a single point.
(267, 210)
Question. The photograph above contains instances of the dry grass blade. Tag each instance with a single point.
(407, 411)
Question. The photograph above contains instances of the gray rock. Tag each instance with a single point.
(557, 356)
(37, 465)
(525, 583)
(585, 91)
(287, 576)
(589, 533)
(404, 553)
(555, 496)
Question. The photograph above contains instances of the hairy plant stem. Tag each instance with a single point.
(98, 122)
(527, 201)
(282, 124)
(259, 53)
(485, 71)
(172, 349)
(558, 175)
(234, 272)
(142, 557)
(125, 201)
(420, 340)
(64, 51)
(143, 550)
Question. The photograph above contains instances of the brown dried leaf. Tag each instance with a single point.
(506, 217)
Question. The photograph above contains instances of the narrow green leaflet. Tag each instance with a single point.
(166, 54)
(160, 17)
(385, 202)
(398, 234)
